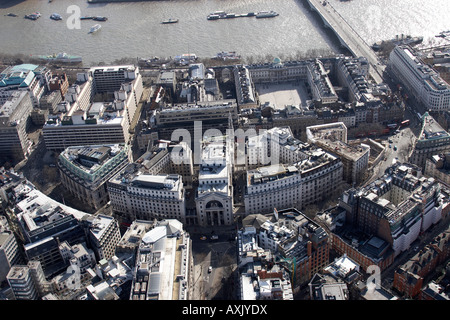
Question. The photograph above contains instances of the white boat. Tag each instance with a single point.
(168, 21)
(95, 28)
(266, 14)
(213, 17)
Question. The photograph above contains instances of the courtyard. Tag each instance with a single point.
(280, 95)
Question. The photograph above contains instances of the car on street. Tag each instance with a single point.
(209, 269)
(203, 238)
(395, 148)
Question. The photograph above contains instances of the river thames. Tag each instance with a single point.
(134, 29)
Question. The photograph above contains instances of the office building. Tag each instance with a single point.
(299, 244)
(49, 102)
(78, 256)
(196, 118)
(131, 239)
(101, 291)
(163, 162)
(168, 80)
(26, 281)
(432, 140)
(111, 78)
(29, 78)
(163, 263)
(259, 277)
(14, 122)
(326, 287)
(22, 284)
(409, 278)
(274, 146)
(87, 122)
(336, 131)
(322, 90)
(437, 166)
(395, 208)
(84, 170)
(245, 91)
(333, 138)
(319, 171)
(136, 194)
(9, 251)
(352, 74)
(275, 186)
(278, 71)
(103, 235)
(422, 81)
(43, 224)
(59, 83)
(434, 291)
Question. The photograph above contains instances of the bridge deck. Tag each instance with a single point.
(348, 36)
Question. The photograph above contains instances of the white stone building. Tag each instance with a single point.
(270, 187)
(214, 199)
(138, 195)
(421, 80)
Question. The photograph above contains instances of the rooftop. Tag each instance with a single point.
(92, 162)
(8, 108)
(18, 272)
(157, 260)
(38, 209)
(200, 107)
(431, 130)
(19, 75)
(158, 182)
(100, 224)
(270, 173)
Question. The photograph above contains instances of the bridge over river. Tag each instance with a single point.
(348, 37)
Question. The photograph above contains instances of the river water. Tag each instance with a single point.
(134, 29)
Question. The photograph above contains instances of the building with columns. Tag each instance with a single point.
(214, 198)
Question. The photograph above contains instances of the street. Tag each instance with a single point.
(398, 147)
(218, 254)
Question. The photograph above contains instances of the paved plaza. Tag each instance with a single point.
(280, 95)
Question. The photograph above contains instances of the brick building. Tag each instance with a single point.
(409, 278)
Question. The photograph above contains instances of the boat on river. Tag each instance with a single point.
(95, 28)
(168, 21)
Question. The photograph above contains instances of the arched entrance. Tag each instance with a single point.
(214, 213)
